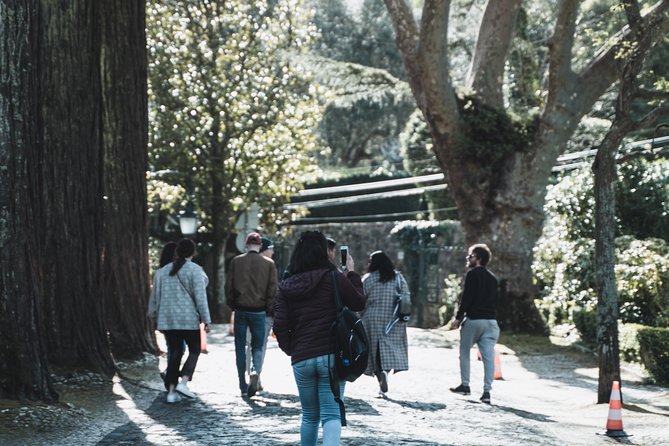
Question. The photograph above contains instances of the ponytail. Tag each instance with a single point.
(185, 249)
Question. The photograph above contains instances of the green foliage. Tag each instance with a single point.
(366, 39)
(654, 352)
(451, 297)
(585, 322)
(642, 277)
(417, 235)
(492, 136)
(231, 117)
(365, 111)
(642, 199)
(628, 342)
(564, 266)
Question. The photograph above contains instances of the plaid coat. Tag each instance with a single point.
(393, 347)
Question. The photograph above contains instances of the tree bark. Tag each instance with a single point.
(73, 191)
(497, 182)
(125, 263)
(23, 363)
(608, 351)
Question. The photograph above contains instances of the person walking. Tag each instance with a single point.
(476, 318)
(180, 306)
(250, 287)
(388, 349)
(267, 250)
(304, 314)
(166, 257)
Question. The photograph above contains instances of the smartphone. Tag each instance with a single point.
(344, 254)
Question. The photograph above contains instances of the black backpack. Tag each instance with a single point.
(351, 348)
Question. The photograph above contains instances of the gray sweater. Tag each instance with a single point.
(171, 305)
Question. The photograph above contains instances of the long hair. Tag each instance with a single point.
(379, 261)
(167, 254)
(185, 249)
(311, 252)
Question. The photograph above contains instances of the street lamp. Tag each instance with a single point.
(188, 220)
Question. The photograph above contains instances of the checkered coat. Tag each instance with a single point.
(392, 348)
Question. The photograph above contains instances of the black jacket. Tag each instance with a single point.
(304, 311)
(480, 295)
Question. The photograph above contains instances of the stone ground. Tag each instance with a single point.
(547, 397)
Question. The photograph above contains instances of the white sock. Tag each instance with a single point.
(184, 380)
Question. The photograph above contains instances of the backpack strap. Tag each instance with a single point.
(332, 372)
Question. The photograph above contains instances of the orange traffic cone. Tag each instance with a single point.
(203, 339)
(231, 330)
(498, 367)
(614, 423)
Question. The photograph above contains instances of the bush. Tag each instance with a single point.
(586, 324)
(654, 350)
(564, 267)
(628, 342)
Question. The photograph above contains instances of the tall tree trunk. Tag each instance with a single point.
(608, 351)
(73, 191)
(23, 360)
(125, 264)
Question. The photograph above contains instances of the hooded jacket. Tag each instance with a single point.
(304, 311)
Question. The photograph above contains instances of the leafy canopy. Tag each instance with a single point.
(231, 117)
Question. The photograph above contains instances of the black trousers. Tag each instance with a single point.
(175, 344)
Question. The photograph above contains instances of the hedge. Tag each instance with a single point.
(648, 346)
(654, 352)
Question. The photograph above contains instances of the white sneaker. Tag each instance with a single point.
(183, 389)
(173, 397)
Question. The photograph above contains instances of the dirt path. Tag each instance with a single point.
(547, 397)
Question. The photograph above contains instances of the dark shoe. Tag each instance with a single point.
(485, 398)
(461, 389)
(383, 381)
(253, 387)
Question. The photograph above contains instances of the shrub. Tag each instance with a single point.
(628, 342)
(654, 350)
(586, 324)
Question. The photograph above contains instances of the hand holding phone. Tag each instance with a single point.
(344, 254)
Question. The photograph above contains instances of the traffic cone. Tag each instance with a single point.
(203, 339)
(231, 330)
(614, 423)
(498, 367)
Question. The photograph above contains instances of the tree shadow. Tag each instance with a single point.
(192, 420)
(416, 405)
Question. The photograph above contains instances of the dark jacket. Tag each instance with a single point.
(479, 296)
(304, 311)
(251, 283)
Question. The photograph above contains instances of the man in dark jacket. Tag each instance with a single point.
(476, 318)
(250, 287)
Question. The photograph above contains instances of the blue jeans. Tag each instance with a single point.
(484, 333)
(255, 322)
(317, 401)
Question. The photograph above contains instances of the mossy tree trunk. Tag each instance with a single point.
(498, 169)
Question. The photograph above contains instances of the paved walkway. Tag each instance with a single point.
(547, 398)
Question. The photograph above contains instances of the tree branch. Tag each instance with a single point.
(486, 71)
(560, 74)
(407, 40)
(605, 68)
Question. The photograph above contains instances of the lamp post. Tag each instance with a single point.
(188, 220)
